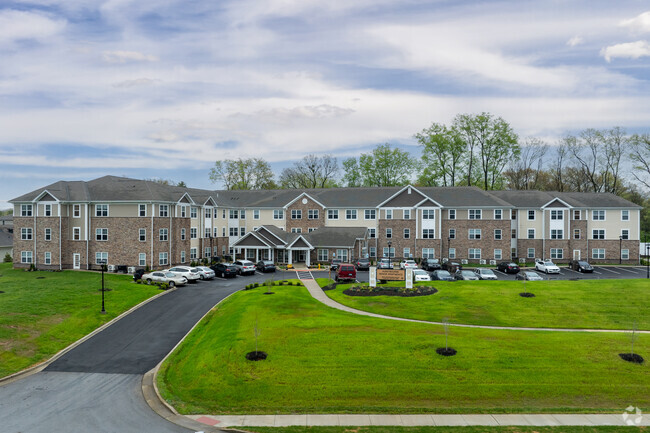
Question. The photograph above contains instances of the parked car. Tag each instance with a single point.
(408, 264)
(529, 276)
(192, 274)
(345, 271)
(430, 264)
(265, 266)
(508, 267)
(384, 263)
(485, 274)
(225, 270)
(421, 275)
(165, 277)
(205, 273)
(580, 266)
(546, 266)
(442, 275)
(245, 267)
(465, 275)
(451, 267)
(334, 265)
(362, 264)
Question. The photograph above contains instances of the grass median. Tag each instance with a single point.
(322, 360)
(600, 304)
(43, 312)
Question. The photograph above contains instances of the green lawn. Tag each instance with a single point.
(43, 312)
(603, 304)
(445, 429)
(323, 360)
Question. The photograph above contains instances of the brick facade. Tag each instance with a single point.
(304, 223)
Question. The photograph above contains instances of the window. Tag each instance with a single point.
(372, 233)
(101, 258)
(475, 233)
(407, 234)
(208, 213)
(531, 253)
(101, 210)
(428, 253)
(207, 252)
(452, 214)
(143, 235)
(182, 256)
(625, 215)
(373, 251)
(598, 215)
(389, 214)
(296, 230)
(389, 252)
(232, 231)
(497, 234)
(223, 232)
(557, 214)
(183, 211)
(163, 234)
(142, 259)
(182, 234)
(428, 214)
(48, 210)
(215, 232)
(576, 233)
(193, 233)
(625, 254)
(256, 214)
(101, 234)
(498, 255)
(312, 214)
(369, 214)
(193, 212)
(323, 255)
(351, 214)
(192, 253)
(576, 215)
(557, 253)
(311, 229)
(26, 257)
(26, 211)
(76, 211)
(163, 210)
(498, 214)
(48, 258)
(474, 253)
(242, 231)
(296, 214)
(223, 214)
(531, 215)
(142, 210)
(407, 214)
(598, 253)
(452, 233)
(242, 214)
(625, 234)
(389, 233)
(208, 232)
(557, 234)
(342, 255)
(76, 233)
(598, 234)
(452, 253)
(513, 214)
(278, 214)
(513, 234)
(475, 214)
(163, 259)
(531, 233)
(406, 252)
(48, 234)
(332, 214)
(428, 233)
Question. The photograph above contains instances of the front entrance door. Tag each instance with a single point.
(76, 261)
(576, 254)
(299, 256)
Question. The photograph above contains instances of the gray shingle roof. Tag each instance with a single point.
(537, 199)
(335, 236)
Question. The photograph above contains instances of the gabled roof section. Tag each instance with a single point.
(589, 200)
(186, 199)
(272, 232)
(300, 242)
(427, 202)
(408, 196)
(304, 194)
(252, 239)
(46, 196)
(210, 202)
(556, 203)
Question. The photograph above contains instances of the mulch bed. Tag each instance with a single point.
(40, 278)
(256, 355)
(1, 291)
(446, 351)
(527, 295)
(631, 357)
(329, 287)
(391, 291)
(268, 293)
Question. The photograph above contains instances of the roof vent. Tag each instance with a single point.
(409, 190)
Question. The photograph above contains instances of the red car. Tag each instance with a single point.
(345, 271)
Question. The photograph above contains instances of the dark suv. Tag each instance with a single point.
(580, 266)
(335, 264)
(430, 264)
(362, 264)
(508, 267)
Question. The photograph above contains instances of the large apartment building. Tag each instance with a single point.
(136, 223)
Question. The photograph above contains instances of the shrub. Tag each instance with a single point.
(8, 258)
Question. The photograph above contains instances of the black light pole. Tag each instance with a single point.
(103, 264)
(448, 247)
(389, 244)
(620, 249)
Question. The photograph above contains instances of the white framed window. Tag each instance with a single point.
(372, 251)
(182, 234)
(557, 214)
(557, 234)
(26, 257)
(452, 253)
(350, 214)
(296, 214)
(406, 252)
(372, 233)
(26, 210)
(311, 229)
(256, 214)
(208, 213)
(242, 214)
(389, 252)
(407, 234)
(370, 214)
(598, 234)
(406, 215)
(625, 215)
(428, 214)
(312, 214)
(223, 232)
(183, 211)
(163, 210)
(498, 214)
(332, 214)
(498, 255)
(182, 256)
(498, 234)
(163, 234)
(278, 214)
(223, 213)
(625, 254)
(389, 214)
(342, 254)
(323, 255)
(598, 215)
(101, 258)
(101, 234)
(48, 258)
(577, 214)
(475, 233)
(207, 252)
(576, 233)
(193, 212)
(474, 253)
(48, 210)
(531, 233)
(296, 230)
(428, 253)
(598, 253)
(452, 233)
(142, 259)
(475, 214)
(76, 211)
(48, 234)
(194, 233)
(192, 253)
(531, 215)
(389, 233)
(531, 253)
(242, 231)
(215, 232)
(557, 253)
(428, 233)
(513, 214)
(513, 233)
(625, 234)
(76, 233)
(452, 214)
(163, 259)
(142, 235)
(208, 232)
(142, 210)
(101, 210)
(232, 231)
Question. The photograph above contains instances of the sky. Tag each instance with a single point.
(164, 88)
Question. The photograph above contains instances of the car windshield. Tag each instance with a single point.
(549, 264)
(267, 262)
(443, 274)
(487, 272)
(170, 274)
(531, 274)
(467, 273)
(194, 270)
(419, 272)
(583, 263)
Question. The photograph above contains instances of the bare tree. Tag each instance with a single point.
(615, 141)
(525, 171)
(311, 172)
(558, 165)
(251, 173)
(641, 158)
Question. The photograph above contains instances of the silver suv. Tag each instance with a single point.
(192, 274)
(244, 267)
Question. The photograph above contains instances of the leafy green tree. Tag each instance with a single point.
(384, 166)
(442, 155)
(311, 172)
(250, 173)
(351, 172)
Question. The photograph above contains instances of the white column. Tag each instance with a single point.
(290, 260)
(307, 258)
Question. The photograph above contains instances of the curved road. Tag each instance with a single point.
(97, 386)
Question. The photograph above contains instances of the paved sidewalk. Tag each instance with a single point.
(415, 420)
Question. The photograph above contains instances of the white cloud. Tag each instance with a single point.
(638, 24)
(127, 56)
(575, 41)
(22, 25)
(133, 83)
(630, 50)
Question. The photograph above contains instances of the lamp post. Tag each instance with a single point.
(102, 263)
(211, 252)
(448, 247)
(389, 244)
(620, 249)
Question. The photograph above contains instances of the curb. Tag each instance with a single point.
(44, 364)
